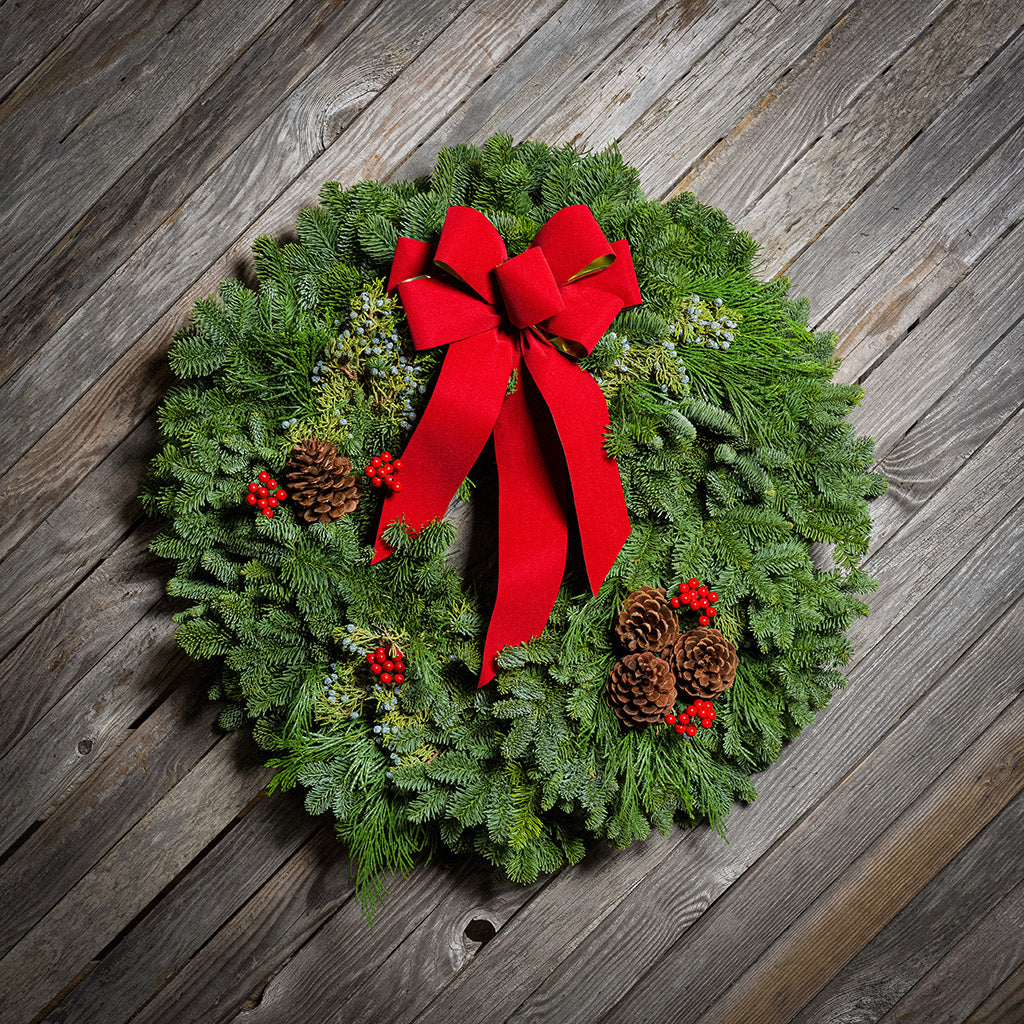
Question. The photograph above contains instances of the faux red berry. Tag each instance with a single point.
(370, 659)
(691, 730)
(389, 666)
(691, 711)
(712, 597)
(263, 477)
(370, 471)
(389, 480)
(675, 602)
(272, 502)
(705, 723)
(261, 502)
(380, 654)
(711, 714)
(703, 602)
(386, 456)
(695, 605)
(385, 678)
(251, 498)
(281, 495)
(702, 591)
(271, 484)
(711, 612)
(399, 679)
(377, 481)
(399, 666)
(684, 719)
(396, 655)
(387, 469)
(703, 620)
(670, 719)
(376, 669)
(680, 728)
(253, 487)
(376, 461)
(268, 513)
(396, 465)
(262, 491)
(397, 485)
(693, 584)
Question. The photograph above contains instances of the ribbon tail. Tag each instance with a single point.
(532, 526)
(452, 432)
(581, 416)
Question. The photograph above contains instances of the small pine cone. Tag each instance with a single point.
(320, 481)
(705, 662)
(647, 622)
(641, 689)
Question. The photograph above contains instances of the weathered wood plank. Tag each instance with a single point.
(639, 72)
(28, 31)
(232, 970)
(152, 759)
(148, 955)
(1006, 1003)
(87, 918)
(80, 631)
(121, 125)
(959, 804)
(903, 289)
(322, 66)
(847, 60)
(533, 94)
(710, 97)
(927, 928)
(911, 182)
(983, 959)
(798, 170)
(424, 924)
(85, 528)
(944, 348)
(105, 53)
(72, 740)
(979, 403)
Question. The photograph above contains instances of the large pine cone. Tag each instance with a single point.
(641, 689)
(320, 481)
(705, 662)
(647, 622)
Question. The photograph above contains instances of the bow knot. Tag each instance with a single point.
(497, 315)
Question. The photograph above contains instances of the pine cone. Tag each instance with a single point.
(705, 662)
(647, 622)
(641, 689)
(320, 481)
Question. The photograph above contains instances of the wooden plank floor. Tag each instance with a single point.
(875, 150)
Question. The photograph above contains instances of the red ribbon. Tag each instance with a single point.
(528, 313)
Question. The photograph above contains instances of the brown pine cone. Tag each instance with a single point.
(641, 689)
(320, 481)
(705, 662)
(647, 622)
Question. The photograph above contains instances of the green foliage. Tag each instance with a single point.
(735, 458)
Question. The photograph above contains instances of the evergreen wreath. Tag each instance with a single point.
(735, 458)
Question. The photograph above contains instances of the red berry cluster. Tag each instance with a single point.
(388, 665)
(699, 711)
(264, 494)
(382, 470)
(695, 595)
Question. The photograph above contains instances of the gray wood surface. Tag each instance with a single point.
(875, 149)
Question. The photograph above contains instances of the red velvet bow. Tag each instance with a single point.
(526, 314)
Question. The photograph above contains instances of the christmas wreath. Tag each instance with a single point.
(666, 442)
